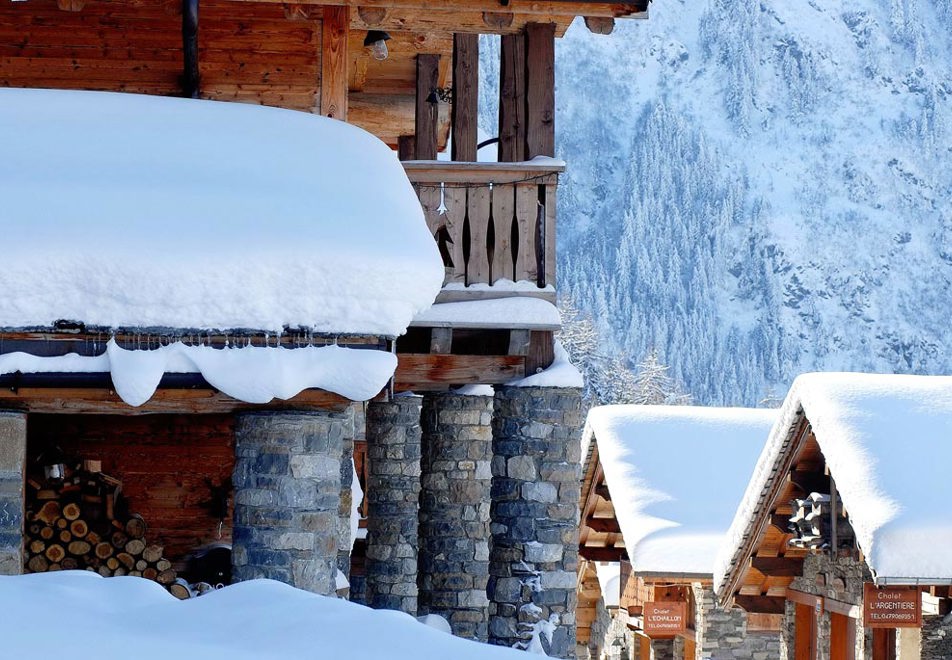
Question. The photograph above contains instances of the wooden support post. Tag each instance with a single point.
(540, 90)
(465, 95)
(427, 112)
(334, 80)
(512, 99)
(541, 351)
(406, 147)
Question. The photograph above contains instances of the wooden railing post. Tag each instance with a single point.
(427, 112)
(540, 90)
(465, 95)
(335, 26)
(512, 99)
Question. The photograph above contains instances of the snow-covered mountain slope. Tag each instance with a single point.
(760, 189)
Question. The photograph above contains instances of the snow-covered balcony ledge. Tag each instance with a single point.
(494, 224)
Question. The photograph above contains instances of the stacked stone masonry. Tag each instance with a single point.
(344, 542)
(534, 518)
(723, 635)
(454, 511)
(287, 497)
(393, 496)
(12, 464)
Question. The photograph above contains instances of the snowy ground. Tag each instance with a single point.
(128, 617)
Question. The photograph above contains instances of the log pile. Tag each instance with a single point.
(81, 522)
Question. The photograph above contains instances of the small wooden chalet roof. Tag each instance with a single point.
(884, 441)
(662, 483)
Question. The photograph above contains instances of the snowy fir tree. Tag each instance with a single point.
(757, 190)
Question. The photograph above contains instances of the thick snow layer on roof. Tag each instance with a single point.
(886, 441)
(127, 617)
(511, 312)
(676, 475)
(143, 211)
(252, 374)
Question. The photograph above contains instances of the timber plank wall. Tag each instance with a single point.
(247, 52)
(163, 462)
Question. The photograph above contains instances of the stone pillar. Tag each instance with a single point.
(662, 649)
(534, 518)
(723, 633)
(454, 511)
(287, 497)
(393, 503)
(346, 499)
(935, 637)
(12, 465)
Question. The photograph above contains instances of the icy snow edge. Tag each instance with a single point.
(252, 374)
(886, 442)
(122, 210)
(658, 462)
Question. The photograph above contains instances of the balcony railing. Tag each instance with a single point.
(492, 221)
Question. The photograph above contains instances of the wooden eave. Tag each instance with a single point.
(765, 565)
(600, 537)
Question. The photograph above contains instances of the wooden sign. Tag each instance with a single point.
(663, 619)
(891, 607)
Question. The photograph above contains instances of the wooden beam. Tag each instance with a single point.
(512, 99)
(465, 96)
(778, 566)
(101, 401)
(602, 491)
(760, 604)
(781, 522)
(417, 371)
(406, 147)
(603, 525)
(441, 340)
(601, 554)
(600, 24)
(427, 112)
(541, 351)
(334, 79)
(540, 90)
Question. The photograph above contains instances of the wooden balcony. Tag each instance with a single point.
(494, 223)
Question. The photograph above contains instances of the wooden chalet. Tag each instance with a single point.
(840, 532)
(198, 466)
(659, 486)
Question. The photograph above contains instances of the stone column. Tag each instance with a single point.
(393, 503)
(723, 633)
(287, 497)
(12, 465)
(662, 649)
(534, 518)
(454, 511)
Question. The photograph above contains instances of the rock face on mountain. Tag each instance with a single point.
(759, 189)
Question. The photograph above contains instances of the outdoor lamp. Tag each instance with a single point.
(377, 42)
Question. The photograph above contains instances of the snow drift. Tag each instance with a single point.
(128, 617)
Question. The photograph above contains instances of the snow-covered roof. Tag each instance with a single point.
(676, 474)
(887, 441)
(124, 617)
(122, 210)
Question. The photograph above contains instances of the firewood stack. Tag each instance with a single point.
(80, 523)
